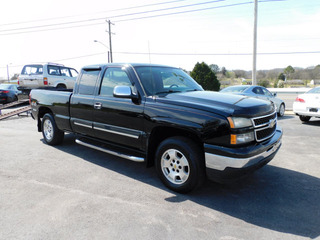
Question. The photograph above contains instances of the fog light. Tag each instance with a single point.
(241, 138)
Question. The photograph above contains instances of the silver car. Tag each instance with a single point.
(257, 92)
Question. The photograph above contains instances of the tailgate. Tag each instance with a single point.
(31, 81)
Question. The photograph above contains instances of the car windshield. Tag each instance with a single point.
(234, 89)
(314, 90)
(164, 80)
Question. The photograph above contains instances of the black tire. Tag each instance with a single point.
(282, 109)
(51, 134)
(180, 164)
(61, 86)
(304, 118)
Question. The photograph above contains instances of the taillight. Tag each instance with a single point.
(5, 91)
(300, 100)
(45, 81)
(30, 98)
(18, 81)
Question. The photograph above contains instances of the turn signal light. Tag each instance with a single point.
(300, 100)
(45, 81)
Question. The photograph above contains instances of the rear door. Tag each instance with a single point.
(117, 120)
(81, 104)
(67, 77)
(54, 76)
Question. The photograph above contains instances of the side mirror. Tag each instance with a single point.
(274, 94)
(124, 92)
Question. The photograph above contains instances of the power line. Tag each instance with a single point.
(114, 10)
(188, 11)
(166, 9)
(96, 19)
(218, 54)
(102, 18)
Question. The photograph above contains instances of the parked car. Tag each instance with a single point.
(9, 93)
(307, 105)
(47, 75)
(257, 92)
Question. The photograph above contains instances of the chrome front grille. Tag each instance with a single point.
(265, 126)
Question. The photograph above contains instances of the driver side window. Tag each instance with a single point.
(113, 77)
(258, 91)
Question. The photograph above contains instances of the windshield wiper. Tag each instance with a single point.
(193, 90)
(169, 91)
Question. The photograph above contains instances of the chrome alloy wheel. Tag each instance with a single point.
(48, 129)
(175, 166)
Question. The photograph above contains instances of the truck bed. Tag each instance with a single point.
(58, 101)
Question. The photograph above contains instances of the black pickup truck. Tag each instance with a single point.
(161, 116)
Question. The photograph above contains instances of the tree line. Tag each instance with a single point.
(211, 77)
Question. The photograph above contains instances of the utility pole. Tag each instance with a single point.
(110, 45)
(8, 75)
(254, 67)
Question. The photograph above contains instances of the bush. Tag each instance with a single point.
(280, 84)
(264, 83)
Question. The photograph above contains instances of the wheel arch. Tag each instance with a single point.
(61, 85)
(41, 112)
(159, 134)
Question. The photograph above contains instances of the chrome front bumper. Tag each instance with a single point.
(220, 163)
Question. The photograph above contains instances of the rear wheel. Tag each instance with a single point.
(61, 86)
(304, 118)
(180, 164)
(51, 134)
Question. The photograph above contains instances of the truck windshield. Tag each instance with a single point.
(164, 80)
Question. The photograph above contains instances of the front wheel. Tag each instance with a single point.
(180, 164)
(51, 134)
(281, 110)
(304, 118)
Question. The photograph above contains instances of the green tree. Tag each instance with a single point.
(288, 71)
(205, 77)
(223, 71)
(282, 77)
(215, 68)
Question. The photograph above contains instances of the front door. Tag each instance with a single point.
(117, 120)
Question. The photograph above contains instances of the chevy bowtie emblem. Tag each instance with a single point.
(272, 122)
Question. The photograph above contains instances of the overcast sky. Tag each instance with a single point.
(178, 33)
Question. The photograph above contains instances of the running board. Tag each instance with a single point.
(131, 158)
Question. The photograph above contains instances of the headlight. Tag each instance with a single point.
(241, 138)
(239, 122)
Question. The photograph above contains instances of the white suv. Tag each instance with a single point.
(47, 75)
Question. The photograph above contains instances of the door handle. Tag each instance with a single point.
(97, 105)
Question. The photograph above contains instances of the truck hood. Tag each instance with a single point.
(220, 103)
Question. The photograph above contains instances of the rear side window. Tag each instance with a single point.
(88, 81)
(54, 70)
(32, 70)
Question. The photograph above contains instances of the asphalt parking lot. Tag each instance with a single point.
(72, 192)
